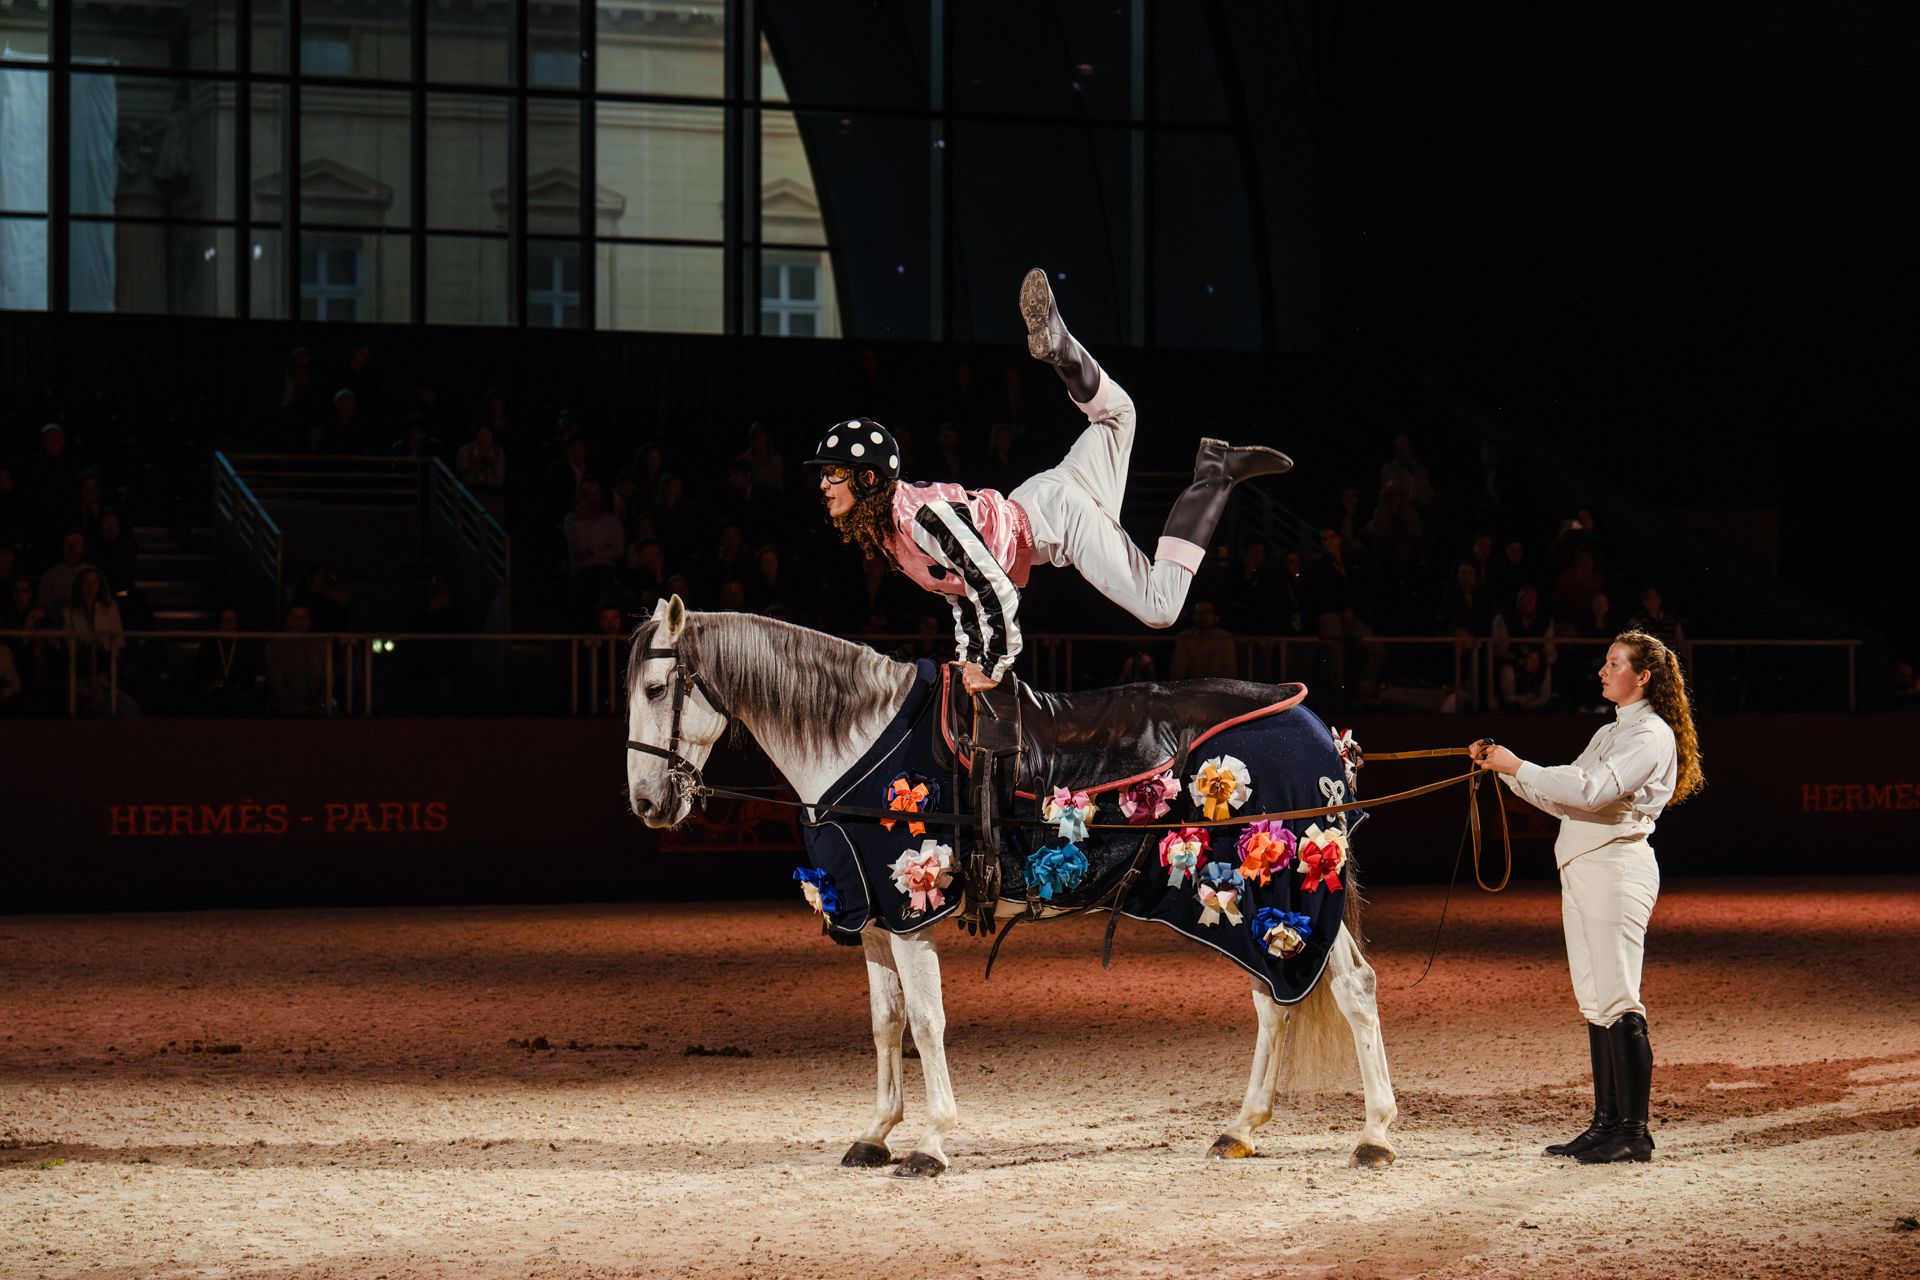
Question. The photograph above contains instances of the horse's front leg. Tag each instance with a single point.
(1257, 1108)
(869, 1151)
(917, 960)
(1353, 990)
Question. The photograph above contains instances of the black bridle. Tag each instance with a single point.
(683, 679)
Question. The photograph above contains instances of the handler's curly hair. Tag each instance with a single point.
(870, 524)
(1667, 691)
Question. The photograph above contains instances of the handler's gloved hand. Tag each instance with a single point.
(976, 680)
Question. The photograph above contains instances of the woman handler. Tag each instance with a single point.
(976, 546)
(1607, 801)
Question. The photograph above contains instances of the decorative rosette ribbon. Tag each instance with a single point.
(1222, 785)
(1056, 869)
(1180, 853)
(1322, 855)
(818, 888)
(1067, 810)
(1282, 933)
(910, 793)
(1264, 848)
(1351, 756)
(1146, 801)
(1220, 890)
(922, 873)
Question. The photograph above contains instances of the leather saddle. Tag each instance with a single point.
(1099, 738)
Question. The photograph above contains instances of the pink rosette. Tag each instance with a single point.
(1182, 852)
(1146, 800)
(922, 873)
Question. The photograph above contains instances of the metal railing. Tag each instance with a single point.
(361, 673)
(240, 517)
(464, 534)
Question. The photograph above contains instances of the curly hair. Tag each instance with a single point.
(870, 524)
(1667, 691)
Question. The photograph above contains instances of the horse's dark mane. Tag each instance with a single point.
(804, 688)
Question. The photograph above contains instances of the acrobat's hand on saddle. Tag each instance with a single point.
(976, 680)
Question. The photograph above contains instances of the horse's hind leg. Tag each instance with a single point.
(1257, 1108)
(917, 961)
(1354, 991)
(889, 1018)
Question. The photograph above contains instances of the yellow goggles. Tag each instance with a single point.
(836, 474)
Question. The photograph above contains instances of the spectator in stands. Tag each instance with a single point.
(1336, 593)
(1523, 627)
(50, 480)
(644, 578)
(115, 552)
(1481, 557)
(343, 431)
(56, 584)
(729, 559)
(227, 671)
(297, 669)
(743, 503)
(1512, 571)
(771, 590)
(13, 521)
(10, 685)
(494, 412)
(1574, 590)
(1206, 649)
(40, 658)
(1656, 621)
(360, 377)
(1599, 622)
(93, 628)
(1468, 608)
(1906, 687)
(1293, 589)
(87, 510)
(481, 465)
(733, 596)
(1349, 524)
(1406, 472)
(668, 510)
(1490, 499)
(1394, 531)
(296, 405)
(1247, 603)
(436, 666)
(1002, 470)
(329, 605)
(948, 459)
(92, 617)
(1139, 667)
(595, 547)
(560, 491)
(1526, 684)
(767, 468)
(414, 440)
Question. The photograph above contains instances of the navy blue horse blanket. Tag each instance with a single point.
(1285, 757)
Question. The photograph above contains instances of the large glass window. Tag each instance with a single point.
(878, 171)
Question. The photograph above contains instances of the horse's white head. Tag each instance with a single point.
(669, 720)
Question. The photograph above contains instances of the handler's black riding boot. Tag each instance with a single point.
(1632, 1082)
(1606, 1111)
(1217, 467)
(1048, 339)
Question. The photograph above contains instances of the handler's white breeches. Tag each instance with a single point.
(1606, 899)
(1075, 512)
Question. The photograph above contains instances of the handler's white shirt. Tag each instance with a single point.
(1615, 789)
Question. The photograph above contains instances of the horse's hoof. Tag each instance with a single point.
(919, 1164)
(866, 1155)
(1371, 1155)
(1228, 1147)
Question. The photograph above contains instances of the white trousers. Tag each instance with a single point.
(1606, 899)
(1075, 511)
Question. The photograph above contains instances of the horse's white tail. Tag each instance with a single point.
(1319, 1047)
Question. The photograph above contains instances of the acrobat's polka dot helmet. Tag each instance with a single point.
(862, 445)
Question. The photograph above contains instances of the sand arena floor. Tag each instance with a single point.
(347, 1093)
